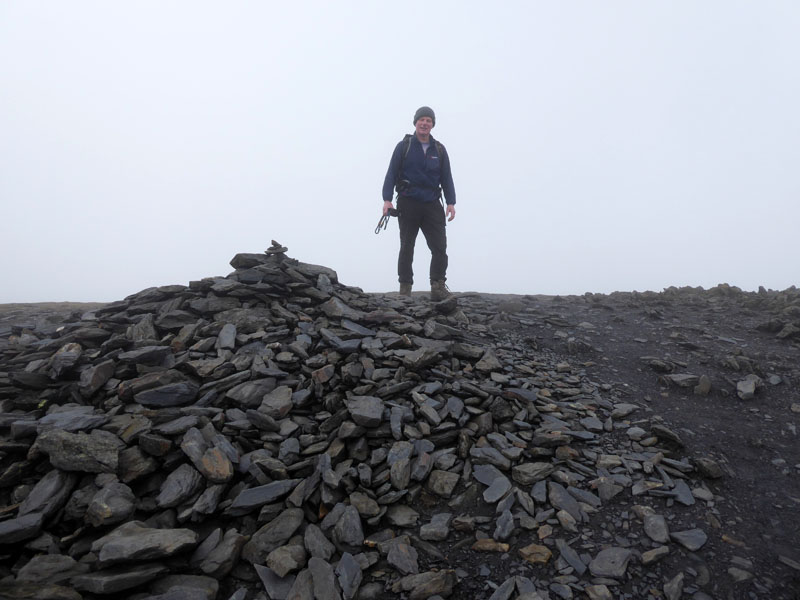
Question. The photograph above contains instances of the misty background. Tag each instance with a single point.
(595, 146)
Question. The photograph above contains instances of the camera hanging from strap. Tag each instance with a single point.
(384, 220)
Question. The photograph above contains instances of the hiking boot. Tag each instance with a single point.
(405, 289)
(439, 291)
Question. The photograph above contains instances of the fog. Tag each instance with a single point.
(595, 146)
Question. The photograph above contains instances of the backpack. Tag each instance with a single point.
(407, 142)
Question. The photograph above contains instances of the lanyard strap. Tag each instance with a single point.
(383, 223)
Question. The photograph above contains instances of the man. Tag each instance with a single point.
(420, 171)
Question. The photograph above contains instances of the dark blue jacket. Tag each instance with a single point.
(426, 172)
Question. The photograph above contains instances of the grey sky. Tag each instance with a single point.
(596, 146)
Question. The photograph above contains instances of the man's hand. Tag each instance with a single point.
(451, 212)
(387, 204)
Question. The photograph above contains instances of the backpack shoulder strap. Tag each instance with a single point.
(406, 147)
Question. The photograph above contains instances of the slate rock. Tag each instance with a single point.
(526, 502)
(598, 592)
(683, 493)
(489, 455)
(654, 555)
(154, 445)
(504, 526)
(172, 394)
(403, 557)
(400, 474)
(746, 388)
(401, 515)
(251, 393)
(486, 474)
(21, 528)
(146, 355)
(215, 465)
(317, 544)
(366, 411)
(571, 557)
(421, 358)
(497, 490)
(226, 339)
(174, 320)
(77, 418)
(530, 473)
(666, 434)
(489, 362)
(709, 467)
(64, 359)
(636, 433)
(399, 451)
(592, 424)
(438, 529)
(223, 557)
(51, 568)
(143, 330)
(112, 504)
(285, 559)
(691, 539)
(442, 483)
(245, 260)
(254, 497)
(272, 535)
(277, 403)
(425, 585)
(348, 533)
(118, 579)
(179, 486)
(655, 526)
(348, 573)
(561, 499)
(281, 588)
(585, 496)
(623, 409)
(673, 589)
(134, 541)
(180, 586)
(97, 452)
(336, 308)
(505, 590)
(610, 562)
(50, 494)
(684, 380)
(129, 388)
(95, 377)
(536, 554)
(23, 590)
(561, 590)
(324, 580)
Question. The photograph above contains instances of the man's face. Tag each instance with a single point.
(424, 126)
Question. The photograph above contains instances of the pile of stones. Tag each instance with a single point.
(276, 434)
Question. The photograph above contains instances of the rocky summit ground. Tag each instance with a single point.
(277, 434)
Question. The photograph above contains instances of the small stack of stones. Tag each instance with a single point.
(274, 434)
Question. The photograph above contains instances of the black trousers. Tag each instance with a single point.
(430, 218)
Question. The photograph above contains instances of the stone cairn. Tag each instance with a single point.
(276, 434)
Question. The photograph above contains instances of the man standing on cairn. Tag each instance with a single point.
(420, 171)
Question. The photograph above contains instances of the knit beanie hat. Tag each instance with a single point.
(424, 111)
